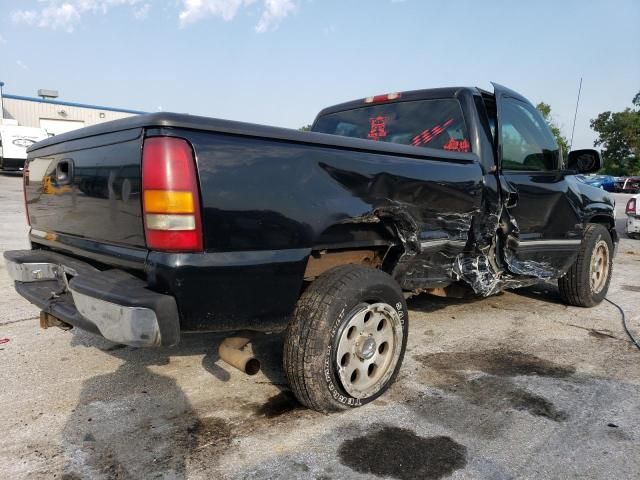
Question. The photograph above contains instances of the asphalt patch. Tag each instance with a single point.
(631, 288)
(496, 390)
(499, 362)
(209, 431)
(400, 453)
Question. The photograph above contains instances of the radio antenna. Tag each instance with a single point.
(573, 129)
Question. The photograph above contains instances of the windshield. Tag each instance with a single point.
(423, 123)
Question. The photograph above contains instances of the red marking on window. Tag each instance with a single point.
(454, 145)
(378, 128)
(430, 133)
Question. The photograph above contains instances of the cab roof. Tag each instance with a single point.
(426, 94)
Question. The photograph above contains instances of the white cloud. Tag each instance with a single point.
(194, 10)
(274, 12)
(67, 14)
(2, 40)
(142, 12)
(22, 65)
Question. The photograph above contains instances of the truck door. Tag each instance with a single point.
(547, 231)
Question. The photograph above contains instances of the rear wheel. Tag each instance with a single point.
(347, 338)
(587, 281)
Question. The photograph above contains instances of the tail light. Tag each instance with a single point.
(631, 207)
(25, 184)
(170, 196)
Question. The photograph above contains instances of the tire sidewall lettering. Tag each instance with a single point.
(335, 393)
(401, 313)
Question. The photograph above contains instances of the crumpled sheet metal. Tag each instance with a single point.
(477, 264)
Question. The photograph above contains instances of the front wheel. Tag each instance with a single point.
(587, 281)
(346, 341)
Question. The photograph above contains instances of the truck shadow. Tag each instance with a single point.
(129, 423)
(544, 292)
(136, 423)
(427, 303)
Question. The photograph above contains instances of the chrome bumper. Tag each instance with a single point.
(32, 272)
(134, 326)
(113, 303)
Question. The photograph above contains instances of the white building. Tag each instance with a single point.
(58, 116)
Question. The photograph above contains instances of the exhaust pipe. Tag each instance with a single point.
(47, 321)
(231, 351)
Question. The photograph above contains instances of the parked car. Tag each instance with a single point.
(227, 226)
(628, 184)
(605, 182)
(633, 217)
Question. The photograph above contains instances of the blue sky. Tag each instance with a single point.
(279, 62)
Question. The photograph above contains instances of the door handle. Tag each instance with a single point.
(64, 172)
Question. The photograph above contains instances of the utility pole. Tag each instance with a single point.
(1, 104)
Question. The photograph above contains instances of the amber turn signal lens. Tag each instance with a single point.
(167, 201)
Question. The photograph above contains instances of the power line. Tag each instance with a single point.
(575, 115)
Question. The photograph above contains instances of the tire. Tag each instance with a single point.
(580, 286)
(358, 314)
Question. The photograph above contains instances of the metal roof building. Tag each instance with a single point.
(58, 116)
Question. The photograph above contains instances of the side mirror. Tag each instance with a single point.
(585, 161)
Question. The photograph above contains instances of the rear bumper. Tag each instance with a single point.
(633, 224)
(111, 303)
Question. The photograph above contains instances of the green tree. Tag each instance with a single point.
(561, 140)
(306, 128)
(619, 137)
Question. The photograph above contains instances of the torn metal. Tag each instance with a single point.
(479, 249)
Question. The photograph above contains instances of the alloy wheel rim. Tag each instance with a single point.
(599, 271)
(369, 349)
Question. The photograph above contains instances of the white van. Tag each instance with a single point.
(14, 141)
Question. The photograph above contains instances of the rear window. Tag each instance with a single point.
(423, 123)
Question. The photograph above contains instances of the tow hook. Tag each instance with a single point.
(231, 351)
(47, 320)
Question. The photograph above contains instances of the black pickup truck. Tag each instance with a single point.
(145, 227)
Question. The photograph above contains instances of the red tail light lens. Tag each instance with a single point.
(631, 207)
(170, 196)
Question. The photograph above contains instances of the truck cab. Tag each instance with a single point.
(530, 194)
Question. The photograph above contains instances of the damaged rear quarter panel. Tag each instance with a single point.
(261, 194)
(265, 199)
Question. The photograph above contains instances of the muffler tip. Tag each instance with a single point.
(252, 367)
(231, 351)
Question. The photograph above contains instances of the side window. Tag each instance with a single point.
(527, 143)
